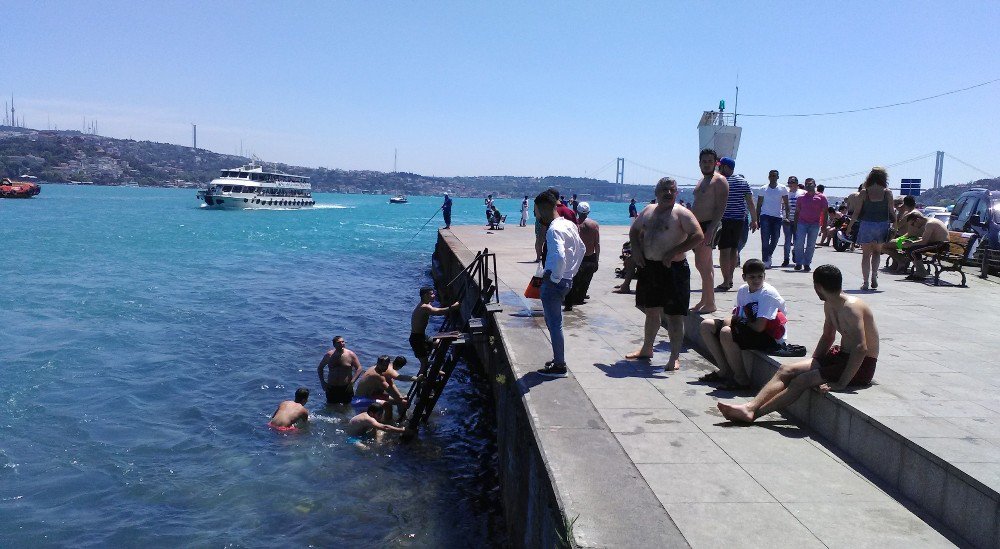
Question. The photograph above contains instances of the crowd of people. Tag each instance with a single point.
(723, 215)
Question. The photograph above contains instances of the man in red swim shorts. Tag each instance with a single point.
(291, 412)
(832, 368)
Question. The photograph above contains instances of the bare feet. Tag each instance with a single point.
(639, 355)
(736, 412)
(673, 365)
(704, 309)
(620, 290)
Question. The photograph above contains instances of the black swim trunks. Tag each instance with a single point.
(730, 233)
(421, 345)
(339, 394)
(660, 286)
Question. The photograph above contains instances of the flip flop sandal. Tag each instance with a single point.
(724, 287)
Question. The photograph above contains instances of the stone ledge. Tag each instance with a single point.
(938, 487)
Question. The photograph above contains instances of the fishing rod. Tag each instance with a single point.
(425, 224)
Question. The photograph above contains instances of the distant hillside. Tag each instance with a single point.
(948, 195)
(63, 156)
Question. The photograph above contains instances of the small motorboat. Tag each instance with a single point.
(10, 188)
(398, 199)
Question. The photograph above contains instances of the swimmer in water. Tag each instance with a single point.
(377, 384)
(368, 421)
(291, 412)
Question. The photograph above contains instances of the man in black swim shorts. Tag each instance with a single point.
(660, 237)
(344, 369)
(422, 313)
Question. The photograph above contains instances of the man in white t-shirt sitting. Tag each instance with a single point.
(772, 200)
(757, 324)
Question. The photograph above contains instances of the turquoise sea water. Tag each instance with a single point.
(146, 342)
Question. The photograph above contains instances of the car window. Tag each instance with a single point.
(983, 209)
(959, 204)
(964, 210)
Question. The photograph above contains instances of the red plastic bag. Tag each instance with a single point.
(534, 289)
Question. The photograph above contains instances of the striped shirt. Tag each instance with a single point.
(736, 202)
(793, 197)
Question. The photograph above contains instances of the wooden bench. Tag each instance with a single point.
(497, 224)
(950, 257)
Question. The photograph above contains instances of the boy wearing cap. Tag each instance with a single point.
(590, 233)
(734, 218)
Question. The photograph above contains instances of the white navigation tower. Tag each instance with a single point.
(718, 130)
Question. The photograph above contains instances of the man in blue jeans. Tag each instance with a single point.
(788, 224)
(772, 200)
(810, 210)
(563, 257)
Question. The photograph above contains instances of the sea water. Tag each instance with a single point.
(145, 341)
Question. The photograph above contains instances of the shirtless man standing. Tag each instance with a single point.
(660, 236)
(419, 342)
(831, 368)
(709, 202)
(344, 371)
(291, 412)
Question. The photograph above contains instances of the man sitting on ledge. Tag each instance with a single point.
(831, 368)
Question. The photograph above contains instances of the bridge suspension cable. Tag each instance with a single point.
(910, 102)
(960, 161)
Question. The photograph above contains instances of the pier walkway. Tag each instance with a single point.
(641, 457)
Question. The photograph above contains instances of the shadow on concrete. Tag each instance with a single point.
(632, 368)
(532, 379)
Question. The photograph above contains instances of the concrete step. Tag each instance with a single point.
(906, 452)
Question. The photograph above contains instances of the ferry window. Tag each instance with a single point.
(244, 175)
(227, 188)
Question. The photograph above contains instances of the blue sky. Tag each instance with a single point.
(520, 88)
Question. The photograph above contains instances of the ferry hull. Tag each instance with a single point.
(254, 203)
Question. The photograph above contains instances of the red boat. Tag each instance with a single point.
(10, 188)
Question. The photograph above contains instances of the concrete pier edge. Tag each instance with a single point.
(539, 491)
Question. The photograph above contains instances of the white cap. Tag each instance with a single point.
(583, 208)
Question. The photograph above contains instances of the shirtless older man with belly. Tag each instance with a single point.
(660, 236)
(344, 369)
(831, 368)
(709, 203)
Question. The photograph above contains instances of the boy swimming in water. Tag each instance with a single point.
(291, 412)
(368, 421)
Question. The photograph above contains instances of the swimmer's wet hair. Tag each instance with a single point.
(399, 361)
(829, 278)
(301, 395)
(375, 409)
(425, 290)
(709, 152)
(383, 360)
(753, 266)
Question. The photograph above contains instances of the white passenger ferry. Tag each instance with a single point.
(251, 187)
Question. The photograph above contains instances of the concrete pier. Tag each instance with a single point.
(622, 454)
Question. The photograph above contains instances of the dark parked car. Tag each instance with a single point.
(977, 211)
